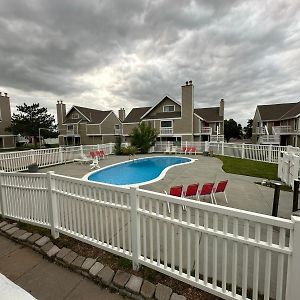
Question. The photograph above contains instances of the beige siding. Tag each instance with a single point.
(93, 129)
(196, 124)
(159, 107)
(127, 128)
(108, 125)
(5, 112)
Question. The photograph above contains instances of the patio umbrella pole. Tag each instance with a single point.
(276, 199)
(295, 195)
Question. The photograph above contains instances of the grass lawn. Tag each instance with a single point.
(249, 167)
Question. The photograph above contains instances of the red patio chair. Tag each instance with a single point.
(191, 190)
(92, 154)
(175, 191)
(184, 150)
(192, 150)
(206, 190)
(220, 188)
(100, 154)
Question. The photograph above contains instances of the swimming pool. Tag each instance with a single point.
(137, 172)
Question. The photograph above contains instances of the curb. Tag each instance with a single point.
(122, 282)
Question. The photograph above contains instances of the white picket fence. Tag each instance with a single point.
(264, 153)
(288, 167)
(224, 251)
(20, 160)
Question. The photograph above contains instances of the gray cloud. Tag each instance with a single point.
(109, 54)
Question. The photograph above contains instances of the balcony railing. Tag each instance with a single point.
(118, 131)
(206, 130)
(166, 130)
(281, 129)
(261, 130)
(269, 139)
(70, 132)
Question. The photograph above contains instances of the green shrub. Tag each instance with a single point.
(129, 150)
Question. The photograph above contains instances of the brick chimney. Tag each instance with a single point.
(221, 108)
(122, 114)
(61, 112)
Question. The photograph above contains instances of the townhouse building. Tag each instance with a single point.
(86, 126)
(277, 124)
(177, 121)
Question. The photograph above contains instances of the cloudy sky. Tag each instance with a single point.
(128, 53)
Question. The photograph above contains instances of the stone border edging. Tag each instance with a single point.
(125, 283)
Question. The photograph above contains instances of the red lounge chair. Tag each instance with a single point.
(100, 154)
(206, 190)
(192, 150)
(92, 154)
(175, 191)
(183, 150)
(220, 189)
(191, 190)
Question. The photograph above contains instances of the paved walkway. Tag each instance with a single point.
(46, 280)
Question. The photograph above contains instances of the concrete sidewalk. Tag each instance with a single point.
(44, 279)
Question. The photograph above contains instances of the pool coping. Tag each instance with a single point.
(161, 176)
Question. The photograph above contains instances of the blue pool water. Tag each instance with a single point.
(137, 171)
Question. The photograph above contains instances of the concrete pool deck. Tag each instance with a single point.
(242, 192)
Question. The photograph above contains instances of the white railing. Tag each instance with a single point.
(261, 130)
(217, 138)
(20, 160)
(118, 131)
(206, 130)
(269, 139)
(228, 252)
(289, 167)
(281, 129)
(264, 153)
(70, 132)
(166, 130)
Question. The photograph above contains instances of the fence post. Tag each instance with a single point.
(52, 205)
(2, 198)
(32, 156)
(293, 270)
(222, 148)
(81, 151)
(135, 228)
(270, 153)
(61, 158)
(243, 151)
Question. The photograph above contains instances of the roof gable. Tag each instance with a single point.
(135, 114)
(164, 99)
(275, 111)
(209, 114)
(92, 116)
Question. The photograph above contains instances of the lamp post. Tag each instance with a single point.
(40, 136)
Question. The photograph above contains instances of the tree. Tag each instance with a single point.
(248, 129)
(31, 118)
(232, 130)
(143, 137)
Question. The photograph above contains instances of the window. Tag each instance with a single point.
(166, 124)
(70, 127)
(169, 108)
(296, 124)
(75, 116)
(117, 126)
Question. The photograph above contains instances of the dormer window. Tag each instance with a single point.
(75, 116)
(169, 108)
